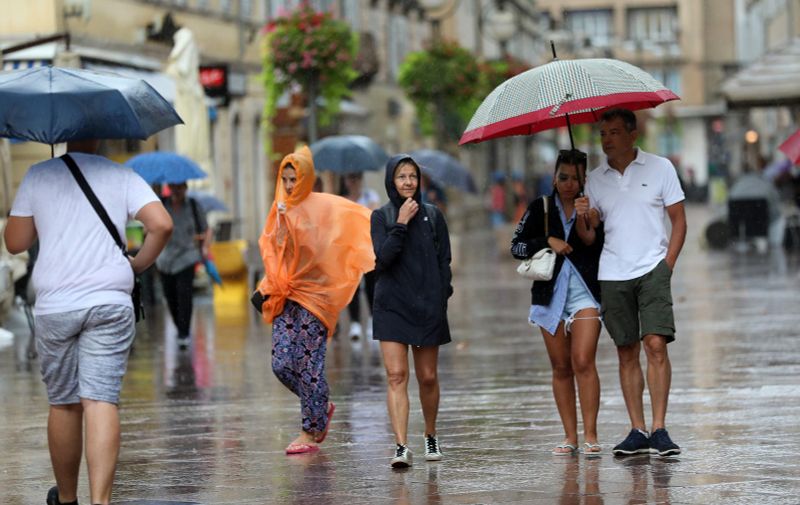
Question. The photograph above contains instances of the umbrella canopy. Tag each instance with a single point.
(791, 148)
(444, 169)
(561, 93)
(348, 153)
(53, 105)
(207, 201)
(164, 167)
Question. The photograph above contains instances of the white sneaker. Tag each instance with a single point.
(369, 328)
(432, 450)
(402, 457)
(355, 330)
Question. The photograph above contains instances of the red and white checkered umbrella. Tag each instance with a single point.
(791, 148)
(561, 93)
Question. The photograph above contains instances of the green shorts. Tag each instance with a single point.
(639, 307)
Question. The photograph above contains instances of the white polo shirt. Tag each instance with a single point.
(632, 207)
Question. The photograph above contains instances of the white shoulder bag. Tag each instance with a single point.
(539, 267)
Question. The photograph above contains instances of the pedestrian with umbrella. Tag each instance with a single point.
(77, 207)
(187, 247)
(631, 193)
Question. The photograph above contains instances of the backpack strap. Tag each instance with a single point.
(389, 212)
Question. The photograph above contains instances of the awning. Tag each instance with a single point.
(772, 80)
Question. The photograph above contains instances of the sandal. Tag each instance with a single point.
(570, 450)
(301, 448)
(321, 437)
(592, 448)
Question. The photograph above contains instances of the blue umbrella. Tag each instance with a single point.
(444, 170)
(53, 105)
(211, 270)
(348, 153)
(207, 201)
(163, 167)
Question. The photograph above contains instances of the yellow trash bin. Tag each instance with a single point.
(232, 298)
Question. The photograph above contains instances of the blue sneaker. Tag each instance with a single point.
(661, 444)
(635, 443)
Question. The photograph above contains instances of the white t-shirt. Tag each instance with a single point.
(79, 264)
(633, 209)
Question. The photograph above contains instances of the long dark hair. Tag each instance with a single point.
(573, 157)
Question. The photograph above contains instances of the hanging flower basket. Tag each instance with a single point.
(313, 50)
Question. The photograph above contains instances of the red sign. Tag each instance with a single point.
(214, 79)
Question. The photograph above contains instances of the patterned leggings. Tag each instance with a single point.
(298, 361)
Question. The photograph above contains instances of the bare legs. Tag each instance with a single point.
(659, 377)
(572, 358)
(65, 440)
(395, 360)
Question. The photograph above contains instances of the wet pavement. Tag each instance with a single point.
(209, 425)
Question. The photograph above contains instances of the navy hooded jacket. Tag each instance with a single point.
(413, 277)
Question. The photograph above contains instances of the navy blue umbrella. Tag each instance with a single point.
(163, 167)
(444, 170)
(348, 153)
(53, 105)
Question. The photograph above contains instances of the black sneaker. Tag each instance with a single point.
(661, 444)
(636, 443)
(52, 498)
(432, 450)
(402, 457)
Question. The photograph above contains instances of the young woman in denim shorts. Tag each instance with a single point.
(567, 307)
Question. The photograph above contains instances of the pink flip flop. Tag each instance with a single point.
(321, 437)
(301, 448)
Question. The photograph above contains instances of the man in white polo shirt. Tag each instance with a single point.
(631, 191)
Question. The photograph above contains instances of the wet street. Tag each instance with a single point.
(209, 425)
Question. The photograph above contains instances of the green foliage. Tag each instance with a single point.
(496, 72)
(311, 49)
(443, 82)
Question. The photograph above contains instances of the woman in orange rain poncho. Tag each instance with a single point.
(315, 248)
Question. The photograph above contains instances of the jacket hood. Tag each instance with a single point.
(303, 164)
(391, 190)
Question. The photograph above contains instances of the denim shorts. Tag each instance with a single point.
(578, 298)
(84, 353)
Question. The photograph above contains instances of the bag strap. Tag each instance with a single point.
(546, 218)
(98, 207)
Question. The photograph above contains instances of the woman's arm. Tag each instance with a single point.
(529, 234)
(387, 246)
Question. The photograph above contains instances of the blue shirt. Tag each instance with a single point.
(548, 316)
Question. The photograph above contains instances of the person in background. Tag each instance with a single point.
(176, 264)
(353, 189)
(566, 308)
(315, 248)
(412, 253)
(632, 192)
(83, 313)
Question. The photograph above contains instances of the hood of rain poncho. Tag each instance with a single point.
(391, 189)
(315, 247)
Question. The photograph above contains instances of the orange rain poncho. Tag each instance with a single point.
(315, 247)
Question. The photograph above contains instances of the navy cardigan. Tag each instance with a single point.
(529, 237)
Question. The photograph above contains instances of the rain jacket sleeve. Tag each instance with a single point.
(387, 245)
(529, 236)
(444, 254)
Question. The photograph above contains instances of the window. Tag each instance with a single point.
(201, 4)
(226, 6)
(657, 24)
(351, 13)
(669, 77)
(245, 9)
(594, 26)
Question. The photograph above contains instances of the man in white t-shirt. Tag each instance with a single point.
(632, 192)
(84, 315)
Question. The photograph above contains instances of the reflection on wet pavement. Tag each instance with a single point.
(209, 424)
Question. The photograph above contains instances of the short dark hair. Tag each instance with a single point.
(571, 157)
(628, 117)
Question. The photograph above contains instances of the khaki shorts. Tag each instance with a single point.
(639, 307)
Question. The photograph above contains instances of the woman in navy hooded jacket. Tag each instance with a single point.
(412, 251)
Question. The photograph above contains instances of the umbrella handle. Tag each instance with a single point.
(569, 129)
